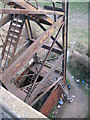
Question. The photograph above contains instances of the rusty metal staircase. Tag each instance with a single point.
(64, 88)
(40, 89)
(37, 91)
(12, 40)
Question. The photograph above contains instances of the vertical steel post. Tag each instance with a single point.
(65, 37)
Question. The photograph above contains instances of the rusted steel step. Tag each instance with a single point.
(10, 38)
(27, 88)
(11, 42)
(14, 30)
(13, 33)
(17, 23)
(15, 27)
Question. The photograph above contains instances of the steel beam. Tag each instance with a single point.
(27, 55)
(56, 50)
(32, 96)
(46, 57)
(25, 5)
(51, 8)
(53, 85)
(27, 11)
(43, 28)
(65, 37)
(51, 101)
(28, 28)
(39, 16)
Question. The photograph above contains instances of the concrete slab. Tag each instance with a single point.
(15, 107)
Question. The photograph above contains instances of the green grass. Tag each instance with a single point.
(51, 113)
(79, 72)
(67, 81)
(78, 24)
(78, 6)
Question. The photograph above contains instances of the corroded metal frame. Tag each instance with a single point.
(39, 17)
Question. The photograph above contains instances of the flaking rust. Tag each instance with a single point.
(40, 86)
